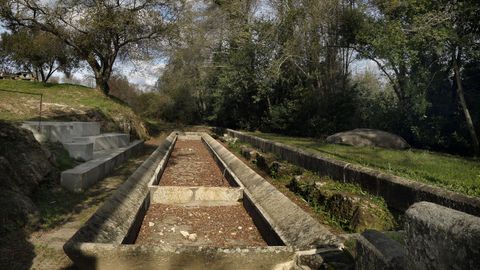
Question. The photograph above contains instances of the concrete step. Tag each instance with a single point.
(80, 150)
(86, 174)
(61, 131)
(105, 141)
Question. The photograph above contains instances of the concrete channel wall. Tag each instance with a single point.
(290, 222)
(115, 219)
(399, 193)
(106, 241)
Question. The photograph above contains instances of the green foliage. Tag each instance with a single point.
(38, 52)
(104, 31)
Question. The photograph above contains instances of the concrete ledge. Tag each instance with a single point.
(290, 222)
(61, 131)
(196, 196)
(105, 141)
(442, 238)
(86, 174)
(108, 256)
(80, 150)
(374, 250)
(399, 193)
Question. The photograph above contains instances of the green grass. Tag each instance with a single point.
(448, 171)
(60, 102)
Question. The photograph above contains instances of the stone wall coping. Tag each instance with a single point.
(350, 172)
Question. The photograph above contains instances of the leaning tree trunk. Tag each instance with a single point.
(102, 73)
(102, 85)
(466, 112)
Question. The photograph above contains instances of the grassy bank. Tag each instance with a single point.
(65, 102)
(448, 171)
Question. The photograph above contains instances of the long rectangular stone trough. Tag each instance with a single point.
(108, 240)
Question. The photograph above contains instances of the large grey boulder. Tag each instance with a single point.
(368, 137)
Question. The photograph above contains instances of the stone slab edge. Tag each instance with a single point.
(290, 222)
(375, 250)
(109, 256)
(112, 221)
(442, 238)
(160, 167)
(195, 195)
(398, 192)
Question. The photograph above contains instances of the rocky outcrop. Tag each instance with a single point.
(369, 137)
(24, 165)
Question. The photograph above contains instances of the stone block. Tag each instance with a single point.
(106, 141)
(374, 250)
(201, 196)
(80, 150)
(442, 238)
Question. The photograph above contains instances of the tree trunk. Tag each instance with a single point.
(102, 84)
(42, 74)
(466, 112)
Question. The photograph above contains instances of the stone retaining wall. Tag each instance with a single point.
(442, 238)
(399, 193)
(436, 237)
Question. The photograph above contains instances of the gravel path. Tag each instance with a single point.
(191, 164)
(218, 226)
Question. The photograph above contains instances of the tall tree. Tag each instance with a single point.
(100, 30)
(414, 41)
(39, 52)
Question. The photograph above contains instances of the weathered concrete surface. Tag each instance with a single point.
(290, 222)
(442, 238)
(399, 193)
(198, 196)
(105, 141)
(374, 250)
(61, 131)
(106, 256)
(368, 137)
(86, 174)
(79, 150)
